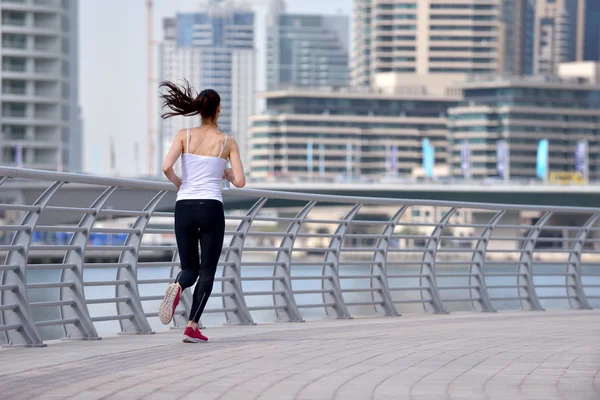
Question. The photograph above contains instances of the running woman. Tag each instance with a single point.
(199, 215)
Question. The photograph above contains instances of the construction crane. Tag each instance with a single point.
(150, 66)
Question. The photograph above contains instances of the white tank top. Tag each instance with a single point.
(201, 175)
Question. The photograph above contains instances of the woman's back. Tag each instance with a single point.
(203, 162)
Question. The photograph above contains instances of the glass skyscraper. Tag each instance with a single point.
(306, 50)
(591, 41)
(212, 49)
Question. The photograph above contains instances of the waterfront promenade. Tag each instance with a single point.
(508, 355)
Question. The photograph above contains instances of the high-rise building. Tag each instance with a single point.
(519, 24)
(565, 31)
(212, 49)
(521, 112)
(591, 35)
(541, 34)
(40, 124)
(328, 134)
(428, 42)
(555, 39)
(305, 49)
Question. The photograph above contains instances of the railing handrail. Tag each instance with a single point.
(382, 256)
(125, 183)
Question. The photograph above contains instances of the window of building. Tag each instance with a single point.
(14, 132)
(11, 86)
(13, 18)
(14, 110)
(14, 41)
(14, 64)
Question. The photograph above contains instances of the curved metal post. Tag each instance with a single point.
(283, 271)
(478, 265)
(526, 288)
(428, 264)
(28, 335)
(233, 281)
(379, 268)
(573, 278)
(180, 321)
(332, 269)
(85, 328)
(138, 323)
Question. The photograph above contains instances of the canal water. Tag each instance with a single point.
(215, 319)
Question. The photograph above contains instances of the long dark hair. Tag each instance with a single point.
(182, 100)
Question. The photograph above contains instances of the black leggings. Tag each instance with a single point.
(204, 221)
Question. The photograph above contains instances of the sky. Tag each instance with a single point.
(113, 74)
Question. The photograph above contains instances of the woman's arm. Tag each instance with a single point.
(235, 174)
(171, 159)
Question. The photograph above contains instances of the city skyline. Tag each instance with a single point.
(113, 92)
(211, 49)
(108, 117)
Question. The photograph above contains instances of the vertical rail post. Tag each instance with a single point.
(331, 268)
(138, 323)
(575, 291)
(526, 288)
(284, 284)
(428, 264)
(84, 329)
(28, 335)
(379, 268)
(477, 267)
(233, 273)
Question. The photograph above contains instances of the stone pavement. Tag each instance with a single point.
(525, 355)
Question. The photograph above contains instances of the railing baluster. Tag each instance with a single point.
(332, 268)
(477, 267)
(29, 334)
(428, 264)
(284, 255)
(575, 291)
(19, 328)
(379, 268)
(138, 323)
(85, 328)
(529, 299)
(241, 315)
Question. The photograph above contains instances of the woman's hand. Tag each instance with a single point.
(228, 174)
(177, 182)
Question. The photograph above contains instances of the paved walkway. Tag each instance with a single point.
(528, 355)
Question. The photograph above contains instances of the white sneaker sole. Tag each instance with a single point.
(187, 339)
(165, 310)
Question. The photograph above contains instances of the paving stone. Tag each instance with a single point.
(463, 356)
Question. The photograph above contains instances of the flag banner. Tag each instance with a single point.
(542, 159)
(394, 163)
(501, 158)
(465, 162)
(59, 157)
(348, 159)
(428, 158)
(581, 157)
(309, 156)
(19, 156)
(321, 159)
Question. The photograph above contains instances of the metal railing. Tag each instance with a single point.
(432, 254)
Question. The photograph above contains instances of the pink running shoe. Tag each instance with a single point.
(166, 310)
(191, 335)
